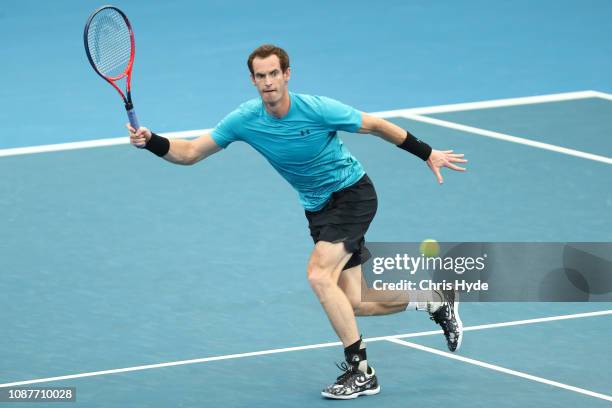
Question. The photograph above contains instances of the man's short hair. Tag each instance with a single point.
(264, 51)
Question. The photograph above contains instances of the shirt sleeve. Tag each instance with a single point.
(227, 131)
(340, 116)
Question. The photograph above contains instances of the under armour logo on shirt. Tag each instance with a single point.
(304, 132)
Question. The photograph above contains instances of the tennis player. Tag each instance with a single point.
(297, 134)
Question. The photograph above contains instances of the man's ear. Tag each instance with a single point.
(287, 74)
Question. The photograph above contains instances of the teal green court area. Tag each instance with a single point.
(144, 284)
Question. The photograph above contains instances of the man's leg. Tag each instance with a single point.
(442, 307)
(324, 268)
(354, 287)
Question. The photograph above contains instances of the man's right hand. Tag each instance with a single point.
(140, 137)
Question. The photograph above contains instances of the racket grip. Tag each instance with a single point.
(133, 119)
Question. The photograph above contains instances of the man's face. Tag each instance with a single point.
(270, 80)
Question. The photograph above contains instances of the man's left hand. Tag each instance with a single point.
(444, 158)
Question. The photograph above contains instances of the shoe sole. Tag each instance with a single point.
(373, 391)
(459, 323)
(458, 320)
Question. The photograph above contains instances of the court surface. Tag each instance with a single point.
(145, 284)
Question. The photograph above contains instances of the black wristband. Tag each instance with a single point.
(158, 145)
(415, 146)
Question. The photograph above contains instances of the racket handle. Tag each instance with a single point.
(133, 119)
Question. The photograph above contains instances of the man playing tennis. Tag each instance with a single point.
(297, 134)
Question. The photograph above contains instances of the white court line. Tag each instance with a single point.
(86, 144)
(506, 324)
(509, 138)
(502, 369)
(288, 349)
(602, 95)
(496, 103)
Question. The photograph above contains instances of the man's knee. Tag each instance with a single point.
(320, 277)
(324, 266)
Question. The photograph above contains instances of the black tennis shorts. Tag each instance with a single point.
(346, 218)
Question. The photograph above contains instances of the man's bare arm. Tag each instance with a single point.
(187, 152)
(182, 151)
(396, 135)
(382, 128)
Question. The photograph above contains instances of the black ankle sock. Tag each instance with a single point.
(355, 355)
(353, 350)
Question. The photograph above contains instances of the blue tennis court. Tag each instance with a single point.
(145, 284)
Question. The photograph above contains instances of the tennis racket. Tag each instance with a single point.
(110, 48)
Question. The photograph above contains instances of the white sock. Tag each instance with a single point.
(426, 301)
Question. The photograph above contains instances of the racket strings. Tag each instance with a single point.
(109, 43)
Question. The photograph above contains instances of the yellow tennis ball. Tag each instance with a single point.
(430, 248)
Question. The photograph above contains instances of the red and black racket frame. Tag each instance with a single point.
(127, 97)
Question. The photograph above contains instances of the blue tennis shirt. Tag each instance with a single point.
(302, 146)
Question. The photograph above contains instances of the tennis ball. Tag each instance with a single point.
(430, 248)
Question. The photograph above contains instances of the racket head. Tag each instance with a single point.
(109, 45)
